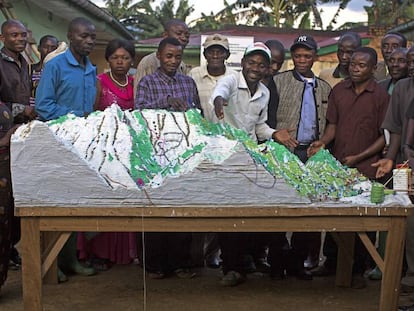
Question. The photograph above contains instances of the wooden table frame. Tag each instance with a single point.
(56, 223)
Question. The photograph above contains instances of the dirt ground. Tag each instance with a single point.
(123, 288)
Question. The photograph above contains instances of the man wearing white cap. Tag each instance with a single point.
(216, 52)
(241, 101)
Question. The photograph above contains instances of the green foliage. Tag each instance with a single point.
(143, 19)
(390, 12)
(271, 13)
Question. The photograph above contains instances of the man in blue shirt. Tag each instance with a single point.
(68, 80)
(68, 85)
(300, 119)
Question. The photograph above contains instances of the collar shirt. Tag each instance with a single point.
(149, 64)
(205, 85)
(387, 85)
(331, 75)
(155, 89)
(14, 82)
(410, 112)
(381, 72)
(244, 111)
(290, 88)
(66, 87)
(307, 124)
(396, 117)
(273, 104)
(358, 119)
(35, 74)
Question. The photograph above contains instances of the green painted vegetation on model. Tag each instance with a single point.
(321, 178)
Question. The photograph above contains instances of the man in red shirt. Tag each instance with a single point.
(356, 109)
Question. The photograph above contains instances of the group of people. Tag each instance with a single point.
(345, 109)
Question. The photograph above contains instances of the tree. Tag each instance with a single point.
(145, 21)
(390, 12)
(277, 13)
(117, 8)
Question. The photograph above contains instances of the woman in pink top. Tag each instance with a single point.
(116, 86)
(113, 87)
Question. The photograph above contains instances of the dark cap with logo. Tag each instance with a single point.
(304, 41)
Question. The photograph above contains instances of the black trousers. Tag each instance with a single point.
(167, 251)
(6, 204)
(362, 259)
(235, 246)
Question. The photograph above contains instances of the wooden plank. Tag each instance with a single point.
(216, 211)
(31, 263)
(372, 250)
(47, 240)
(219, 219)
(50, 254)
(394, 250)
(345, 260)
(268, 224)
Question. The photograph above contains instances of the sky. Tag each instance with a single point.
(354, 11)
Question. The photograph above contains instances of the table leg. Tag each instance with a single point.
(345, 259)
(31, 264)
(47, 239)
(394, 252)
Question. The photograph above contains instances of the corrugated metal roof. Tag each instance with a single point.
(69, 9)
(286, 36)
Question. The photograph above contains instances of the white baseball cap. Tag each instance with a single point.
(258, 47)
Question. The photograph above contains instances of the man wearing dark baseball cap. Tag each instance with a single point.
(300, 120)
(304, 41)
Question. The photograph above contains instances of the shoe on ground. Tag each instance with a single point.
(375, 274)
(358, 282)
(232, 278)
(322, 270)
(277, 276)
(100, 264)
(157, 275)
(213, 263)
(249, 265)
(184, 273)
(406, 290)
(262, 266)
(15, 257)
(78, 268)
(311, 263)
(62, 278)
(14, 266)
(303, 275)
(15, 261)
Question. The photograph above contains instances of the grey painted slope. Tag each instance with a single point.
(46, 173)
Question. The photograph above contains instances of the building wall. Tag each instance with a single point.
(42, 22)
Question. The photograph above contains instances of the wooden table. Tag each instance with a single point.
(56, 223)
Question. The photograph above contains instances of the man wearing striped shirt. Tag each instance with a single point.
(166, 88)
(167, 252)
